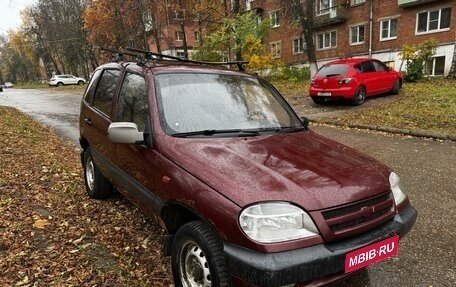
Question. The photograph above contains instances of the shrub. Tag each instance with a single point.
(290, 74)
(414, 71)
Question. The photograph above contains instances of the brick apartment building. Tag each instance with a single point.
(351, 28)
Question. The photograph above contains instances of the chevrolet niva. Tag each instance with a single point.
(247, 193)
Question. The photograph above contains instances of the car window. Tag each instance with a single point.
(379, 67)
(88, 97)
(132, 103)
(196, 102)
(366, 67)
(105, 91)
(332, 70)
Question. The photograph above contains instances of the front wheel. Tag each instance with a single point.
(396, 87)
(359, 97)
(80, 83)
(197, 257)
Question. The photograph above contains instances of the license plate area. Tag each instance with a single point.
(372, 253)
(324, 94)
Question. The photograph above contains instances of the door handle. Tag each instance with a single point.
(88, 121)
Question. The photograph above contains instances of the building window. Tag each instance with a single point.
(178, 15)
(436, 66)
(179, 36)
(357, 2)
(433, 21)
(357, 35)
(197, 36)
(324, 6)
(180, 54)
(388, 29)
(296, 12)
(327, 40)
(248, 7)
(276, 49)
(298, 46)
(274, 17)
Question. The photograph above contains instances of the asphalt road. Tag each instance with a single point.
(427, 255)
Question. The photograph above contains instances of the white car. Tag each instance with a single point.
(61, 80)
(8, 85)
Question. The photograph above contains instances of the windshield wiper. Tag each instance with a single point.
(332, 75)
(283, 129)
(238, 132)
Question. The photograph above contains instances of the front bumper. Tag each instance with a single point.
(306, 264)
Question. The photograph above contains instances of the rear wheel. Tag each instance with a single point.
(197, 257)
(59, 84)
(359, 97)
(80, 83)
(97, 186)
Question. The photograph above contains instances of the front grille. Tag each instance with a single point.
(350, 216)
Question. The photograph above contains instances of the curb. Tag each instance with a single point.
(421, 134)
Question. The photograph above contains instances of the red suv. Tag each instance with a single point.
(248, 194)
(354, 79)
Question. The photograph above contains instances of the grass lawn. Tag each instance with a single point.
(426, 106)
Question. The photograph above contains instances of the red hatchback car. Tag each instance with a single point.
(354, 79)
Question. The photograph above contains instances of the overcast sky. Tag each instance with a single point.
(10, 17)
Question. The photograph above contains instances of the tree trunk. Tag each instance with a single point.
(307, 19)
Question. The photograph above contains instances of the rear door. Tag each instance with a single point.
(367, 77)
(96, 116)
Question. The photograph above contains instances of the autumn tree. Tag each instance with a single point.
(240, 35)
(303, 14)
(58, 31)
(115, 24)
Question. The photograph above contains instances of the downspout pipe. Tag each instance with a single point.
(371, 20)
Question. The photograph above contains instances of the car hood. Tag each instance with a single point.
(304, 167)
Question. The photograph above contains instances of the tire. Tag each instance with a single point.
(59, 84)
(359, 97)
(80, 83)
(396, 87)
(197, 257)
(97, 186)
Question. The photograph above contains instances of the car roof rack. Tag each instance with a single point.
(147, 55)
(118, 56)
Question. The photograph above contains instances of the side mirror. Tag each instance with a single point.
(305, 121)
(125, 132)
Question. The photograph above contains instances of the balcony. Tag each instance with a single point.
(332, 16)
(409, 3)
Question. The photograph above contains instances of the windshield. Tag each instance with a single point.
(332, 70)
(216, 103)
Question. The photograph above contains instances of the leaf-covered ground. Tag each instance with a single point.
(51, 233)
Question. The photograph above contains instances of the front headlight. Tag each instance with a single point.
(275, 222)
(398, 194)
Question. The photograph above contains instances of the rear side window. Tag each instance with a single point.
(105, 91)
(132, 105)
(366, 67)
(332, 70)
(88, 97)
